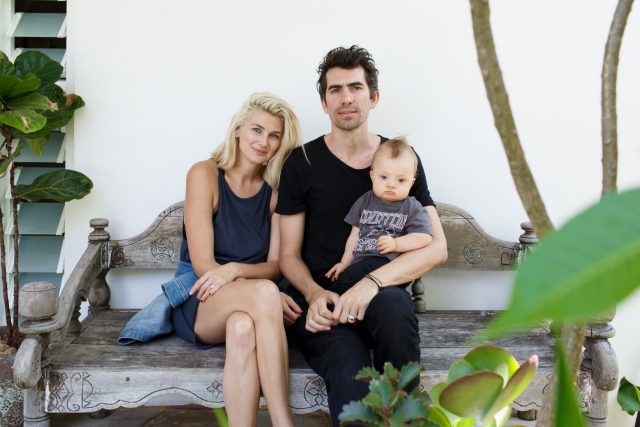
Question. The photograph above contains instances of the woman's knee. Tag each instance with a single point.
(267, 297)
(240, 333)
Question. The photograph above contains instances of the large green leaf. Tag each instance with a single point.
(12, 86)
(6, 67)
(492, 358)
(59, 118)
(6, 161)
(61, 186)
(472, 395)
(24, 120)
(47, 70)
(438, 416)
(27, 84)
(516, 385)
(566, 408)
(579, 271)
(36, 143)
(33, 101)
(628, 397)
(357, 412)
(458, 369)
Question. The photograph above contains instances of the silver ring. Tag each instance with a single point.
(351, 318)
(210, 286)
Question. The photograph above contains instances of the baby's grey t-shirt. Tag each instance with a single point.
(375, 217)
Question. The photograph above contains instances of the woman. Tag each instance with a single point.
(231, 240)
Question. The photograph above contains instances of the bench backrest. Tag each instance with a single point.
(470, 247)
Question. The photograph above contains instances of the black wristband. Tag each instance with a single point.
(375, 280)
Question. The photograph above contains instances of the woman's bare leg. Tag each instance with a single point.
(241, 384)
(260, 299)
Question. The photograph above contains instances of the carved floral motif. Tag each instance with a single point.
(474, 253)
(216, 391)
(69, 393)
(162, 249)
(315, 393)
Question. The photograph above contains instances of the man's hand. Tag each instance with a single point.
(386, 244)
(319, 316)
(335, 271)
(290, 310)
(353, 303)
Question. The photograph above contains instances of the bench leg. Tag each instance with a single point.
(530, 415)
(34, 414)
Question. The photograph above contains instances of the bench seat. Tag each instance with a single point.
(91, 371)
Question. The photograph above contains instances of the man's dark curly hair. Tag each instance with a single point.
(348, 58)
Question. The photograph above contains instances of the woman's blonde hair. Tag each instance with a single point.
(225, 154)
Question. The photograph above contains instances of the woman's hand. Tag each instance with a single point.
(290, 310)
(213, 280)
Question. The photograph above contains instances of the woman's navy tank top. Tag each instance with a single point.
(241, 227)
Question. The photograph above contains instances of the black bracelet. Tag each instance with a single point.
(375, 280)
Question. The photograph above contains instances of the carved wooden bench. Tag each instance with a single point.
(68, 366)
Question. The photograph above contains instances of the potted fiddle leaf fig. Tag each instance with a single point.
(32, 105)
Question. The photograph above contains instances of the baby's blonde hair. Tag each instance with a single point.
(394, 148)
(226, 153)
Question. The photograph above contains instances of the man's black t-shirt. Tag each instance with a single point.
(316, 182)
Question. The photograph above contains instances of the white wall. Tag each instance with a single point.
(161, 80)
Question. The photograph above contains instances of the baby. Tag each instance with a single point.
(385, 220)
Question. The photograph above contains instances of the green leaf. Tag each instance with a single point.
(465, 422)
(408, 373)
(47, 70)
(409, 409)
(458, 369)
(438, 416)
(36, 143)
(11, 86)
(516, 385)
(490, 358)
(66, 109)
(384, 388)
(33, 101)
(570, 277)
(435, 391)
(221, 417)
(391, 373)
(374, 401)
(6, 161)
(472, 395)
(356, 412)
(54, 93)
(628, 397)
(566, 404)
(61, 186)
(6, 67)
(368, 374)
(24, 120)
(27, 84)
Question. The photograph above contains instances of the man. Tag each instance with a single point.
(318, 185)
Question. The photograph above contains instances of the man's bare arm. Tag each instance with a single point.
(296, 271)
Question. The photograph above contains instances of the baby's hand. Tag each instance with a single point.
(386, 244)
(335, 272)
